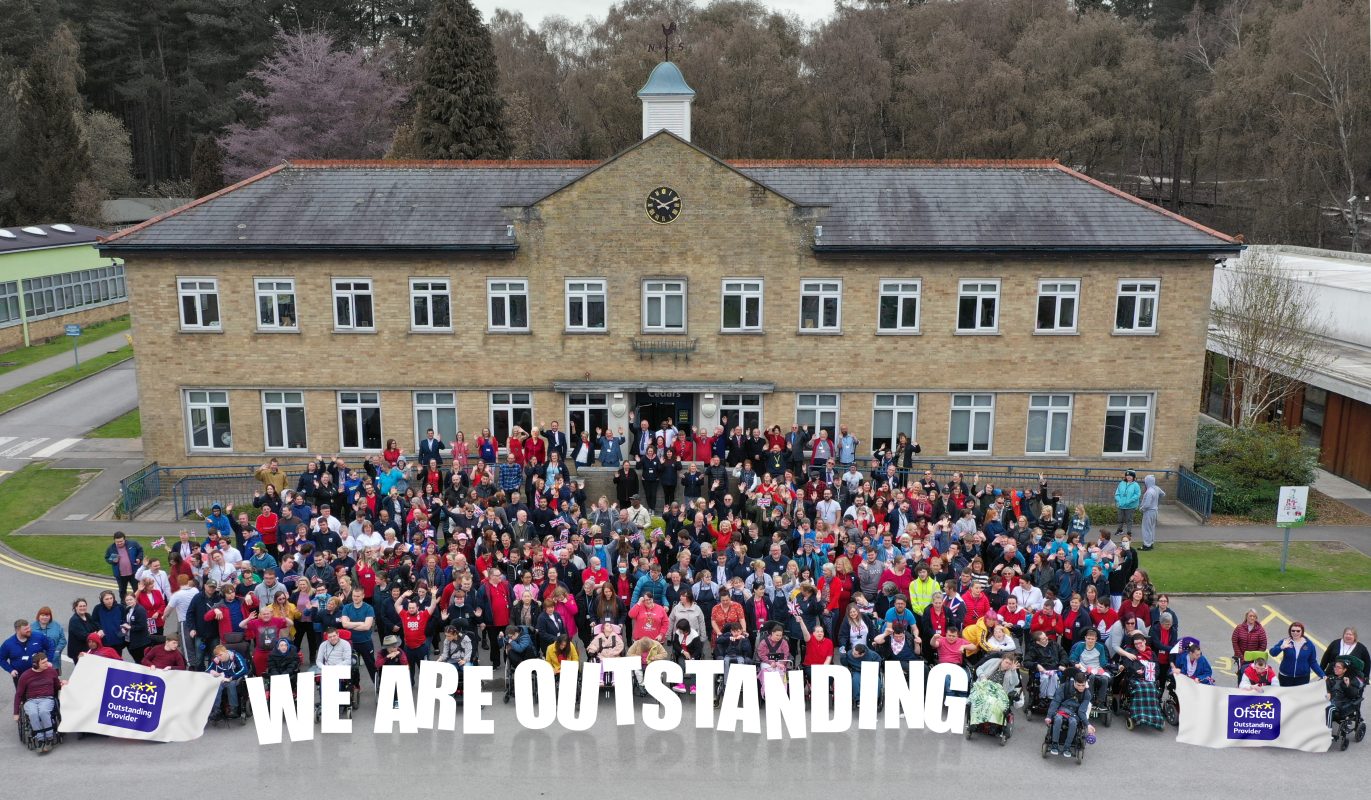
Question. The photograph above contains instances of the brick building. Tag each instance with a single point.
(996, 311)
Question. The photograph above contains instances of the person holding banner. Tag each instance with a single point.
(1256, 673)
(230, 668)
(1298, 657)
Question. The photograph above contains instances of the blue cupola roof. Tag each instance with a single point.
(666, 80)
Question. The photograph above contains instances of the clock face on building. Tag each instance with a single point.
(663, 205)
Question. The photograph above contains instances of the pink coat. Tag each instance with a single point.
(568, 610)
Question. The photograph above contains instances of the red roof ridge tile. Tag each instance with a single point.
(1150, 206)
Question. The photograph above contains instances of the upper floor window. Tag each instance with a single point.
(430, 304)
(508, 301)
(276, 304)
(353, 308)
(585, 304)
(1057, 301)
(978, 306)
(742, 304)
(664, 306)
(1136, 308)
(898, 310)
(821, 306)
(199, 303)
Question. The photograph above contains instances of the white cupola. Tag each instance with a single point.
(666, 101)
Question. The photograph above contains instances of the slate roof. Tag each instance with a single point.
(18, 238)
(884, 206)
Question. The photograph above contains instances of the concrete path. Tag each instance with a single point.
(42, 369)
(52, 425)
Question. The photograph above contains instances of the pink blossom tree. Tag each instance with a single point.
(315, 101)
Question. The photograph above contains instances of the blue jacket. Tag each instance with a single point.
(110, 620)
(135, 551)
(18, 656)
(610, 454)
(1128, 494)
(657, 587)
(219, 523)
(236, 667)
(1203, 672)
(1296, 665)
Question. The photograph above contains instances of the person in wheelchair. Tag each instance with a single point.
(1345, 690)
(230, 668)
(647, 650)
(336, 651)
(284, 659)
(1044, 660)
(853, 660)
(733, 647)
(996, 687)
(35, 696)
(686, 645)
(517, 645)
(1192, 664)
(1139, 667)
(1092, 658)
(1069, 714)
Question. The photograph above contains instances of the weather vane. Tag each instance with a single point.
(668, 31)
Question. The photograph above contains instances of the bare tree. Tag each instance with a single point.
(1268, 326)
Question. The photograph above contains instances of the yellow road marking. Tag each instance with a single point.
(1220, 615)
(52, 575)
(1278, 615)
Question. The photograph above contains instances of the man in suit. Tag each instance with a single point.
(556, 441)
(431, 449)
(795, 443)
(737, 447)
(642, 437)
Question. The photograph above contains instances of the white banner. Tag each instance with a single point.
(120, 698)
(1290, 717)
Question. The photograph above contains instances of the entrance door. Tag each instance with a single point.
(679, 407)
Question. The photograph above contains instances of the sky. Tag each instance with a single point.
(535, 10)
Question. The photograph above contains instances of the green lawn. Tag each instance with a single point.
(23, 356)
(58, 380)
(129, 426)
(1255, 567)
(27, 495)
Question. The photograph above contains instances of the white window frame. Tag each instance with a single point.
(1060, 290)
(510, 404)
(433, 402)
(1049, 406)
(979, 289)
(973, 408)
(1129, 404)
(355, 287)
(825, 290)
(899, 405)
(1138, 289)
(282, 405)
(272, 290)
(737, 405)
(206, 401)
(901, 289)
(364, 399)
(505, 290)
(430, 292)
(584, 403)
(748, 291)
(660, 291)
(812, 407)
(200, 289)
(582, 292)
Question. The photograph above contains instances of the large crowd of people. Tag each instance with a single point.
(767, 547)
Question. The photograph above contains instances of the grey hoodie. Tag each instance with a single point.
(1152, 495)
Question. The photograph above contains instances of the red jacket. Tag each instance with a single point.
(975, 607)
(415, 628)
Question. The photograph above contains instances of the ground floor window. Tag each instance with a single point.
(510, 410)
(892, 415)
(436, 410)
(973, 423)
(819, 412)
(1312, 416)
(742, 410)
(1127, 421)
(588, 411)
(207, 415)
(359, 420)
(1049, 424)
(283, 420)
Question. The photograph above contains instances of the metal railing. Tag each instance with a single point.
(141, 489)
(1196, 493)
(1086, 485)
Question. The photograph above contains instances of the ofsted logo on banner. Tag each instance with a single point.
(1254, 718)
(132, 700)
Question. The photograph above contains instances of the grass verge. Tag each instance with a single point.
(29, 494)
(60, 380)
(1255, 567)
(60, 345)
(129, 426)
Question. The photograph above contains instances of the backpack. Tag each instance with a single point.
(266, 637)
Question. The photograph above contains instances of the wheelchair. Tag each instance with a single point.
(1171, 703)
(1003, 732)
(28, 735)
(1346, 728)
(1077, 743)
(1035, 702)
(353, 684)
(222, 715)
